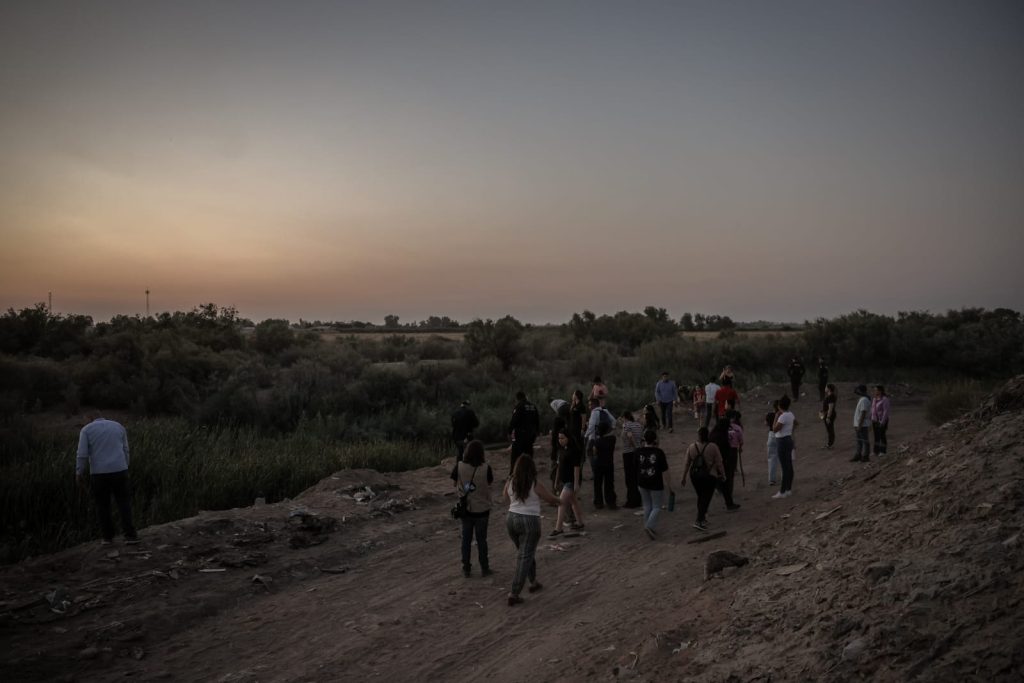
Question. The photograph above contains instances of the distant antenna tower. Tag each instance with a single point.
(147, 303)
(49, 303)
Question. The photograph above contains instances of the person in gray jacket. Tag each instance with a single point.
(103, 453)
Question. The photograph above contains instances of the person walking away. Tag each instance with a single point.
(710, 389)
(665, 393)
(599, 391)
(785, 423)
(828, 414)
(464, 423)
(880, 419)
(724, 396)
(579, 414)
(727, 374)
(103, 453)
(570, 476)
(653, 481)
(598, 416)
(603, 450)
(699, 405)
(719, 436)
(522, 429)
(632, 439)
(796, 376)
(560, 424)
(772, 445)
(523, 493)
(476, 487)
(705, 469)
(736, 434)
(861, 420)
(822, 378)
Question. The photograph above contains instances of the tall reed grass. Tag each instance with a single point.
(176, 470)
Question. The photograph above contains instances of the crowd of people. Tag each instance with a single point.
(585, 430)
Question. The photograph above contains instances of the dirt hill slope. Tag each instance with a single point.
(908, 568)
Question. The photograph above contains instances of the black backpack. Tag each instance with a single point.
(699, 467)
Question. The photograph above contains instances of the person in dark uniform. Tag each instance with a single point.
(522, 429)
(464, 423)
(822, 378)
(796, 376)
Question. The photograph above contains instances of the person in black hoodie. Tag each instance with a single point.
(796, 376)
(720, 437)
(603, 451)
(822, 378)
(464, 423)
(522, 429)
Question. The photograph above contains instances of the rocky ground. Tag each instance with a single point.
(904, 569)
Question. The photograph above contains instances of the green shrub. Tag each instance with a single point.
(951, 400)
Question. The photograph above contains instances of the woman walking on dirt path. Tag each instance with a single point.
(880, 419)
(785, 423)
(828, 414)
(719, 436)
(632, 439)
(570, 475)
(523, 493)
(705, 469)
(653, 480)
(476, 486)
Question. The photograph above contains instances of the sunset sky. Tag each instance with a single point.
(345, 160)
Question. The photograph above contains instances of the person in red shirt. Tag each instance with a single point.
(724, 396)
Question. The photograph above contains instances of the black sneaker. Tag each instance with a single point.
(466, 571)
(732, 508)
(486, 572)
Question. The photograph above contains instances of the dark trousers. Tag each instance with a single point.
(475, 526)
(604, 484)
(517, 450)
(630, 470)
(460, 448)
(821, 393)
(729, 459)
(786, 461)
(830, 429)
(794, 385)
(704, 485)
(666, 414)
(105, 486)
(863, 445)
(879, 429)
(711, 414)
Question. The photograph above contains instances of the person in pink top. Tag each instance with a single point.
(599, 391)
(880, 419)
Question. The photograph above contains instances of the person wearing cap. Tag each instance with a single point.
(103, 454)
(665, 393)
(861, 421)
(464, 423)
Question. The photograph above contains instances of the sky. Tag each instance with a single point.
(347, 160)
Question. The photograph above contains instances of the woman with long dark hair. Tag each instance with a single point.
(828, 413)
(523, 493)
(705, 469)
(785, 423)
(476, 486)
(569, 476)
(579, 413)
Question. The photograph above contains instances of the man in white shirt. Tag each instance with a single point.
(861, 425)
(103, 454)
(709, 398)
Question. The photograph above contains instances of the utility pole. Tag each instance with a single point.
(147, 303)
(49, 303)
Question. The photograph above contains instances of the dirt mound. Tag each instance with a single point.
(909, 571)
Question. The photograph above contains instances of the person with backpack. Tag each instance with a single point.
(476, 487)
(522, 429)
(652, 480)
(632, 439)
(785, 423)
(704, 468)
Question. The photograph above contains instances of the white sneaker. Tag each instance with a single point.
(780, 494)
(788, 493)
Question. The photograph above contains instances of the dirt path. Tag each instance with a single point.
(395, 605)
